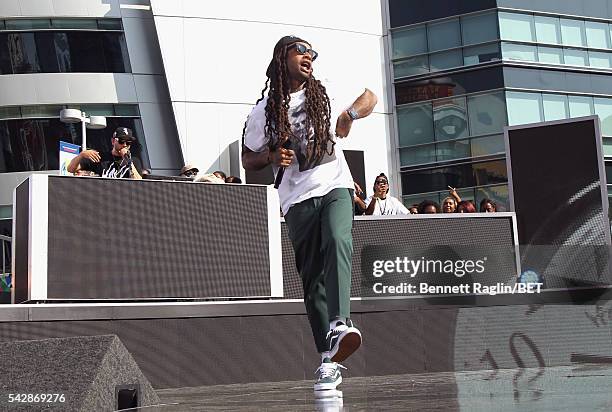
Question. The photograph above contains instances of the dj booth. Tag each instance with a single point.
(112, 239)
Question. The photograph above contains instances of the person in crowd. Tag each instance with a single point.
(488, 206)
(116, 164)
(189, 170)
(233, 179)
(221, 175)
(381, 203)
(466, 206)
(414, 209)
(449, 204)
(428, 207)
(290, 129)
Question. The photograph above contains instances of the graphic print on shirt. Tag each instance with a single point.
(303, 143)
(117, 170)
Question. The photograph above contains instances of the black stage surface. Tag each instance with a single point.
(579, 387)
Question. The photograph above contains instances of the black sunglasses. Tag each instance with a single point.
(125, 142)
(189, 173)
(303, 50)
(381, 182)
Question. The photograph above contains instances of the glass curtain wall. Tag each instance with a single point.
(446, 44)
(555, 40)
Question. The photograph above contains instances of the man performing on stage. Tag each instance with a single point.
(290, 129)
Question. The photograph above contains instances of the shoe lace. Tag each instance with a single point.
(328, 369)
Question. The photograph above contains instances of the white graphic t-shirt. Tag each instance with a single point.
(389, 206)
(303, 179)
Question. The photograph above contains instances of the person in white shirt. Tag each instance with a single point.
(290, 128)
(381, 203)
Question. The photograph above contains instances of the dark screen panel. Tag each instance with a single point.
(494, 232)
(125, 239)
(556, 181)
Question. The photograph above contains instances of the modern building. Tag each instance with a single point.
(462, 70)
(184, 74)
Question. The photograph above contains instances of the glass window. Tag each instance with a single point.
(514, 26)
(444, 35)
(98, 110)
(599, 59)
(415, 124)
(498, 194)
(523, 107)
(127, 110)
(580, 106)
(27, 24)
(109, 24)
(575, 57)
(85, 48)
(40, 111)
(513, 51)
(22, 53)
(597, 35)
(445, 60)
(479, 28)
(449, 84)
(416, 199)
(115, 53)
(458, 149)
(450, 118)
(409, 42)
(548, 29)
(487, 173)
(91, 24)
(572, 32)
(417, 155)
(62, 52)
(481, 54)
(551, 55)
(484, 146)
(607, 151)
(411, 66)
(45, 42)
(10, 113)
(555, 106)
(487, 113)
(603, 108)
(465, 175)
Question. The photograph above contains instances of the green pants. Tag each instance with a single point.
(320, 231)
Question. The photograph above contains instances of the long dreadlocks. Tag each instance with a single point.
(318, 109)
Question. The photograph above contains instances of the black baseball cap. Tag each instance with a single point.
(284, 41)
(123, 133)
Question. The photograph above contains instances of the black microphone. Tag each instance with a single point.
(281, 171)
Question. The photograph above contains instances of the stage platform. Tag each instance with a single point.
(193, 344)
(580, 387)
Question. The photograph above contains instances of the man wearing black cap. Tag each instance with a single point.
(116, 164)
(290, 129)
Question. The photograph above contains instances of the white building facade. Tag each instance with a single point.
(184, 74)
